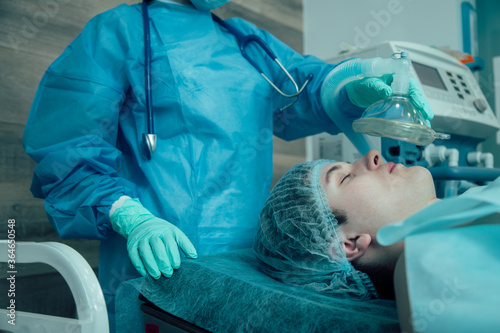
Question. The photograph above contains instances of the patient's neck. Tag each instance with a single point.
(381, 273)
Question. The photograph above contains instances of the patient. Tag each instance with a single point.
(318, 227)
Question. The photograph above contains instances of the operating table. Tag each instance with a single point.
(227, 293)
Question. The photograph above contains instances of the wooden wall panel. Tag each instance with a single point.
(19, 82)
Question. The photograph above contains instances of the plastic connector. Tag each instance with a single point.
(438, 154)
(480, 158)
(401, 78)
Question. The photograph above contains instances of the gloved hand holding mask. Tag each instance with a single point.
(152, 243)
(365, 92)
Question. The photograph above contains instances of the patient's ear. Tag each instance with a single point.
(355, 247)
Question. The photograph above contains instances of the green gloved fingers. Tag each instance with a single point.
(364, 92)
(152, 243)
(418, 99)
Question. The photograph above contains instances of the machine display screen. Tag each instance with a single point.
(429, 76)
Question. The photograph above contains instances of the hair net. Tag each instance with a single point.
(297, 239)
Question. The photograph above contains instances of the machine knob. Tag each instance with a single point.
(480, 105)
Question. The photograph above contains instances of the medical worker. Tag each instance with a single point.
(214, 116)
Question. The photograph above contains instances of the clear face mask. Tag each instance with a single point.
(396, 117)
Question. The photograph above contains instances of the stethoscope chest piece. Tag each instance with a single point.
(149, 144)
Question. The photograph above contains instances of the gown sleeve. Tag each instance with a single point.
(72, 130)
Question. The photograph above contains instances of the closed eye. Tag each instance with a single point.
(344, 178)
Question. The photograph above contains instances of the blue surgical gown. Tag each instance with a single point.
(452, 254)
(215, 117)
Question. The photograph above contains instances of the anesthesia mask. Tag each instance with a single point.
(395, 116)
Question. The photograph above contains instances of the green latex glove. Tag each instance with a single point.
(365, 92)
(152, 243)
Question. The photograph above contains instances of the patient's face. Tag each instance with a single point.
(374, 194)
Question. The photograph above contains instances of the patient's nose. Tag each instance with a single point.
(373, 160)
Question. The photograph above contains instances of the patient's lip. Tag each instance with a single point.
(391, 166)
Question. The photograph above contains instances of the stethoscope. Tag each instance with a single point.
(149, 139)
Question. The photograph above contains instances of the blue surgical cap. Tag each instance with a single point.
(297, 240)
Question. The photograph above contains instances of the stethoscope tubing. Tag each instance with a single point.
(243, 40)
(147, 69)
